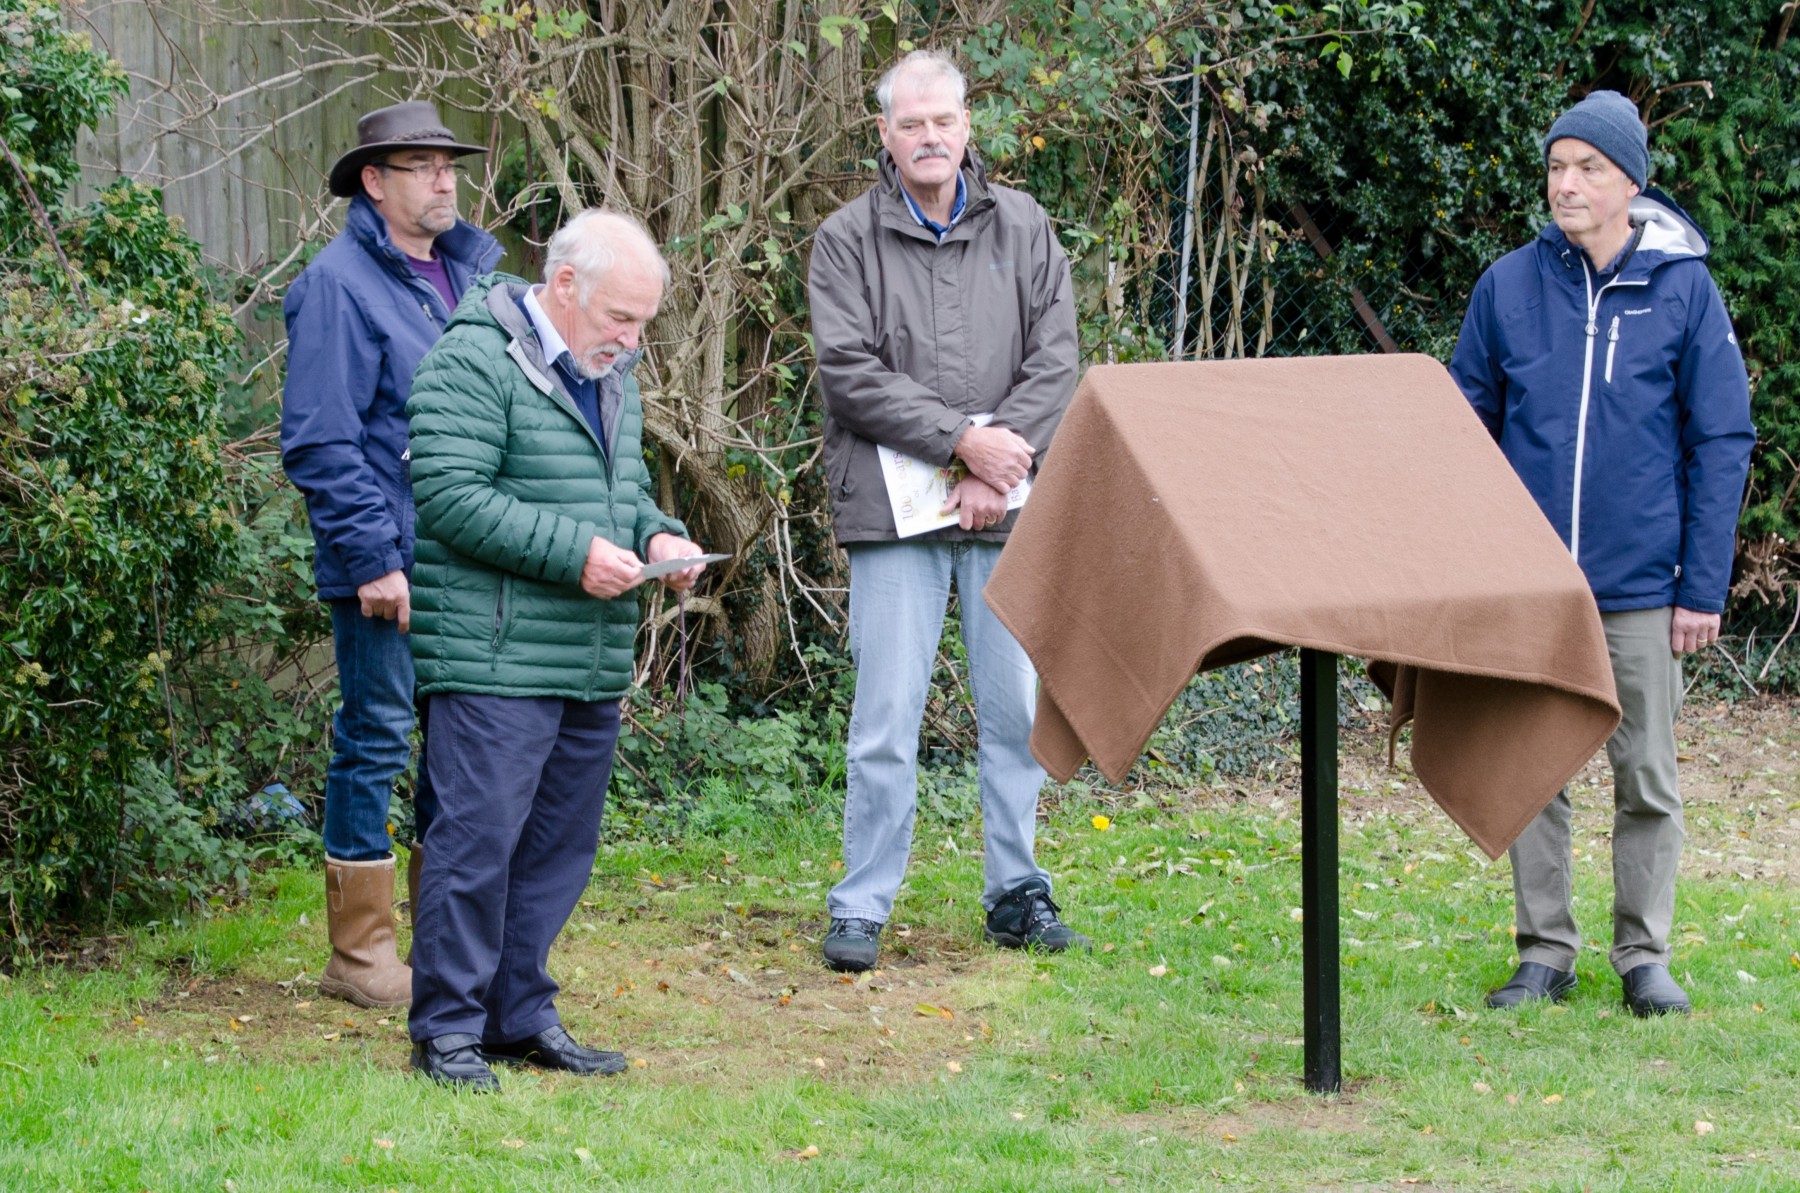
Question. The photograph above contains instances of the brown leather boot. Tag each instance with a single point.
(359, 906)
(415, 862)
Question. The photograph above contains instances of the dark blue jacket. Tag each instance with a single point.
(359, 320)
(1622, 402)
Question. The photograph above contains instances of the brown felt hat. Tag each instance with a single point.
(413, 125)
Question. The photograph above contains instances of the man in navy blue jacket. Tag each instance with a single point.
(1601, 358)
(359, 319)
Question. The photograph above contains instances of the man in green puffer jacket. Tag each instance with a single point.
(535, 520)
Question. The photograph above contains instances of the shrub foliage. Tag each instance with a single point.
(114, 533)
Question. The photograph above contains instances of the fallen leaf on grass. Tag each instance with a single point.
(640, 1063)
(926, 1010)
(1702, 1127)
(809, 1152)
(585, 1156)
(1157, 971)
(1482, 1087)
(1746, 978)
(1108, 947)
(953, 1066)
(333, 1035)
(1552, 1099)
(1512, 1099)
(512, 1143)
(1017, 1117)
(386, 1144)
(735, 976)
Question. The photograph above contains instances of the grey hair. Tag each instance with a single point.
(591, 244)
(931, 63)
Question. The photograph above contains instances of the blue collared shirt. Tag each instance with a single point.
(956, 209)
(585, 390)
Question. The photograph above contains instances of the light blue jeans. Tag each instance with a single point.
(898, 595)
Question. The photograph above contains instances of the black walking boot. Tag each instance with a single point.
(1026, 918)
(852, 945)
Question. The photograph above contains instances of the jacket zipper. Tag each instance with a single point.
(499, 623)
(1587, 385)
(1612, 343)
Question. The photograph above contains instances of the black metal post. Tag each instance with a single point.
(1319, 868)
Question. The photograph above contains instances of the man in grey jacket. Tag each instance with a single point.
(945, 330)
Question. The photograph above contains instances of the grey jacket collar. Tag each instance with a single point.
(890, 204)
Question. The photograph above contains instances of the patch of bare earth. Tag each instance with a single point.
(738, 1000)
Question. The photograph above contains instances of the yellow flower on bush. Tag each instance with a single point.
(1102, 823)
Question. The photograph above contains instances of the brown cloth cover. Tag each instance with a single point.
(1191, 515)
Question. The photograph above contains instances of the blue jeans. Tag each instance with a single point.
(521, 783)
(369, 734)
(898, 594)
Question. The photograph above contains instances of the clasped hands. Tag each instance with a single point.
(997, 460)
(611, 570)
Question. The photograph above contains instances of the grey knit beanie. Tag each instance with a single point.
(1610, 123)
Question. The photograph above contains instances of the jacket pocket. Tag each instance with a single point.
(839, 464)
(502, 620)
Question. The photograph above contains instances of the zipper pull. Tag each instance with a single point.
(1591, 329)
(1613, 334)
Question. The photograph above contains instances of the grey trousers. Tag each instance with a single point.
(1647, 825)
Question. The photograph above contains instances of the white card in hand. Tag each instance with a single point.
(653, 570)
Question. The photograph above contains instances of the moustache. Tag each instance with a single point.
(925, 151)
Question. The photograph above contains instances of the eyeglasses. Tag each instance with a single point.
(456, 170)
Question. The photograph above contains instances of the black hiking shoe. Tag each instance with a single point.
(852, 945)
(1025, 918)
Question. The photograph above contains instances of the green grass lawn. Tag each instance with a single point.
(1169, 1058)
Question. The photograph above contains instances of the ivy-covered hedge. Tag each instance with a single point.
(115, 535)
(1427, 159)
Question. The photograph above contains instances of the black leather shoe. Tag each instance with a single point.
(555, 1048)
(1532, 982)
(1649, 990)
(1026, 918)
(852, 945)
(455, 1060)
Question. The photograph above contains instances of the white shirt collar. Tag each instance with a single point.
(549, 339)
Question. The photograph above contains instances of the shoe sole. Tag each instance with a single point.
(840, 966)
(336, 988)
(519, 1062)
(1553, 996)
(1007, 940)
(1649, 1012)
(473, 1085)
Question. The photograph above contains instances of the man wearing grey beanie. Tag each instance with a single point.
(1602, 360)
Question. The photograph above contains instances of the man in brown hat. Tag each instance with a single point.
(359, 319)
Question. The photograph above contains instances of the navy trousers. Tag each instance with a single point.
(520, 783)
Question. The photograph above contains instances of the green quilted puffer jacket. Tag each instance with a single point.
(511, 487)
